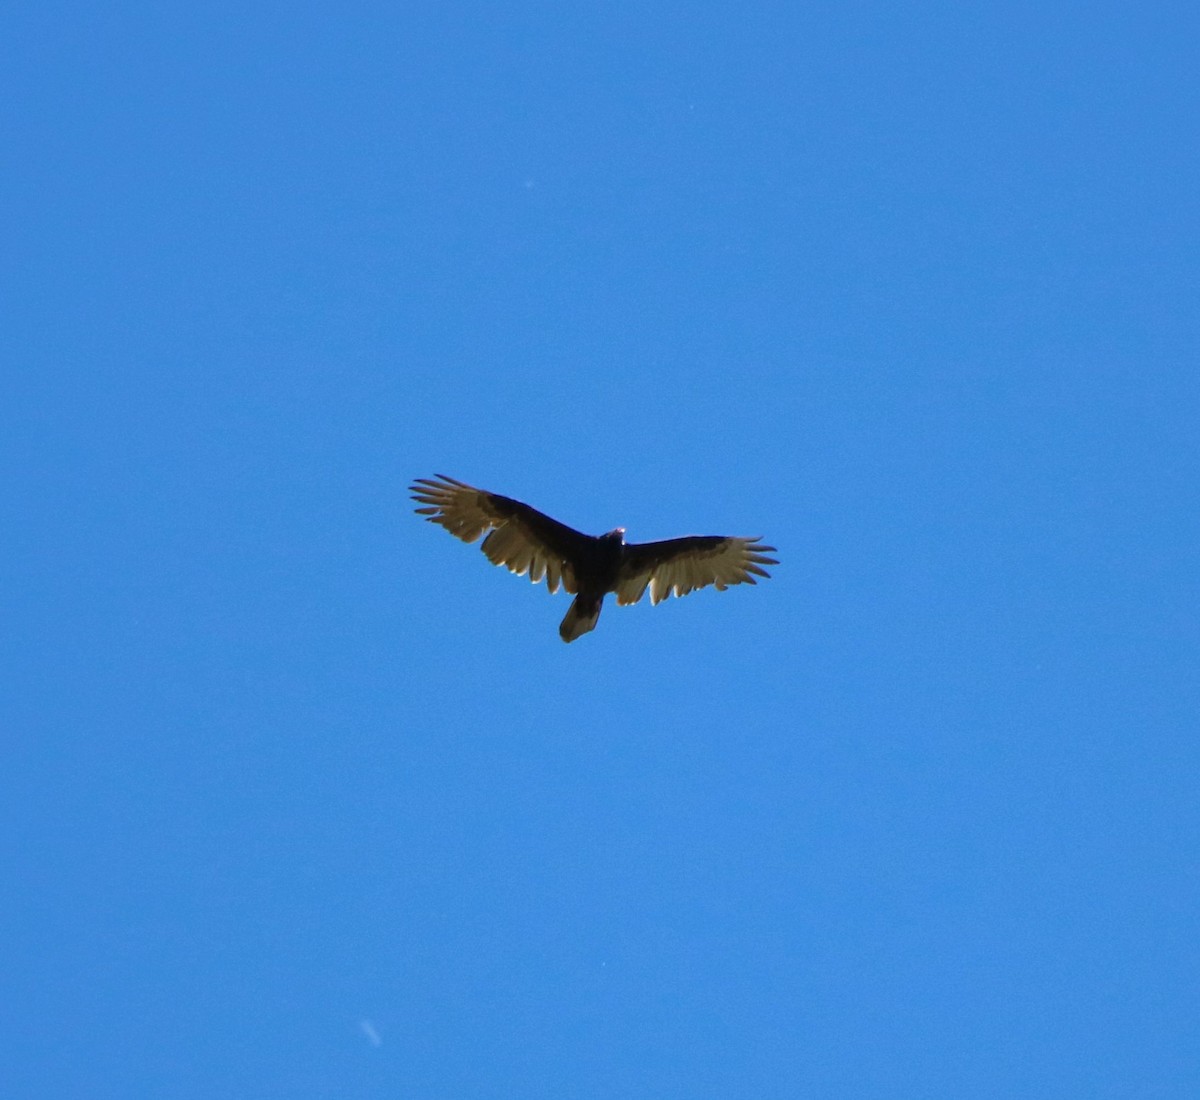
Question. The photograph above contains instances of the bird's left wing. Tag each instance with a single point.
(520, 538)
(681, 566)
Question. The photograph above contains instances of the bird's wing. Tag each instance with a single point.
(518, 537)
(681, 566)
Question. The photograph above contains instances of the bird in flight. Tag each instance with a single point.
(588, 566)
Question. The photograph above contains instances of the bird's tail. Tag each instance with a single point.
(581, 617)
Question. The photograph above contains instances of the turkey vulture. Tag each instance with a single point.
(526, 541)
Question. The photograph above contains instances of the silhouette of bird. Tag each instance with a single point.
(588, 566)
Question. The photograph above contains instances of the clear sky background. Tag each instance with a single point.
(300, 797)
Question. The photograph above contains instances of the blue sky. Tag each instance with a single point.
(303, 798)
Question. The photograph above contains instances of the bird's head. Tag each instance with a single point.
(617, 535)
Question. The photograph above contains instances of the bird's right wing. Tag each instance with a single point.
(520, 538)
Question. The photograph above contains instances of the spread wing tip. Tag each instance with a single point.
(758, 552)
(437, 493)
(439, 481)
